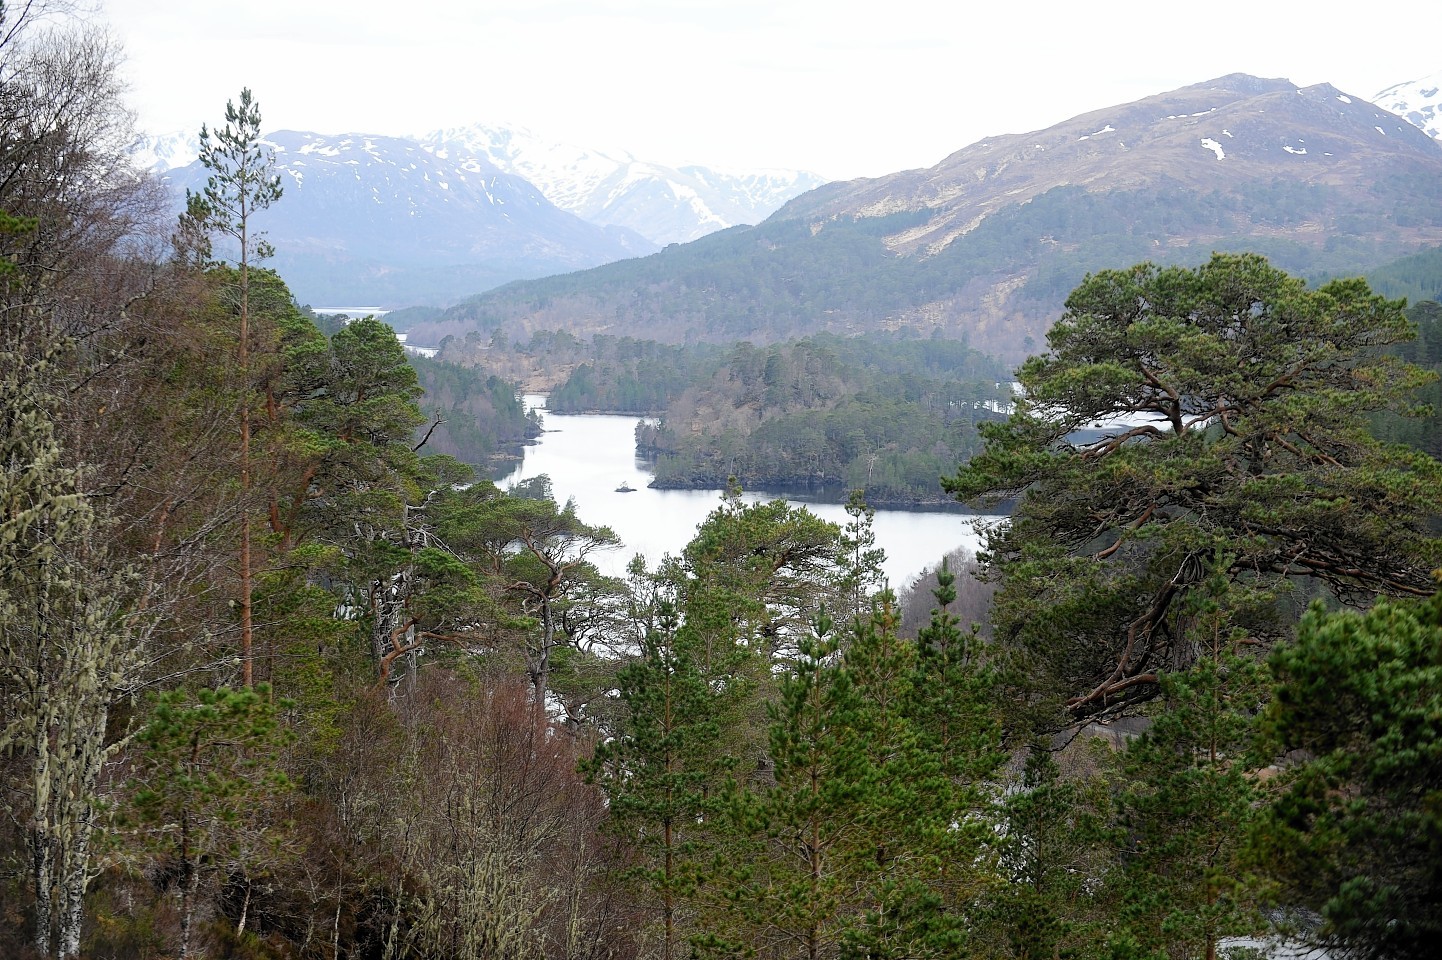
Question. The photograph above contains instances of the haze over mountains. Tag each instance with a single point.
(987, 243)
(397, 221)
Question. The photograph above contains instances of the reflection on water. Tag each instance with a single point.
(589, 457)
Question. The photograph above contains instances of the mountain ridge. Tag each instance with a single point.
(970, 178)
(987, 243)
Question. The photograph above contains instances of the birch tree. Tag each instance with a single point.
(67, 646)
(66, 651)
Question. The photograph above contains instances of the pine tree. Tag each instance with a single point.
(1190, 788)
(870, 838)
(786, 880)
(1356, 833)
(657, 770)
(242, 182)
(859, 558)
(1237, 403)
(203, 778)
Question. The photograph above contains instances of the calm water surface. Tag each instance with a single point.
(588, 457)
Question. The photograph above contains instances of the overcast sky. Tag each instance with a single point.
(846, 88)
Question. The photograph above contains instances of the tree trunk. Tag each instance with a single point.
(246, 675)
(540, 673)
(189, 885)
(74, 882)
(41, 865)
(244, 909)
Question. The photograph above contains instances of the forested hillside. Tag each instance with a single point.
(279, 681)
(470, 415)
(826, 415)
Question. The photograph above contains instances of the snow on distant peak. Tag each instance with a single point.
(165, 151)
(1215, 147)
(612, 187)
(1419, 102)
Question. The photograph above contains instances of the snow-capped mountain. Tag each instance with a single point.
(1419, 102)
(609, 187)
(665, 204)
(166, 151)
(383, 220)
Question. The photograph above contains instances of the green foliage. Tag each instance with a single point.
(481, 414)
(657, 771)
(1417, 277)
(794, 868)
(1230, 406)
(883, 414)
(870, 837)
(757, 573)
(242, 179)
(1421, 427)
(622, 374)
(1356, 834)
(206, 758)
(1189, 796)
(860, 559)
(441, 653)
(951, 692)
(830, 413)
(1059, 844)
(204, 778)
(13, 226)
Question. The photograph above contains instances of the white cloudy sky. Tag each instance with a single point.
(846, 88)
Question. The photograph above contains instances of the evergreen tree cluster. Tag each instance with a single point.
(830, 414)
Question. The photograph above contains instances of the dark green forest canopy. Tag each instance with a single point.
(885, 413)
(1357, 830)
(1234, 406)
(479, 414)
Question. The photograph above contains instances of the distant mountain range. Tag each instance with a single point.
(395, 221)
(987, 243)
(664, 204)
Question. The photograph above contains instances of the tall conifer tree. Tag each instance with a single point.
(242, 183)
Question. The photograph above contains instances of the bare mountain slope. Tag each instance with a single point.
(1209, 136)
